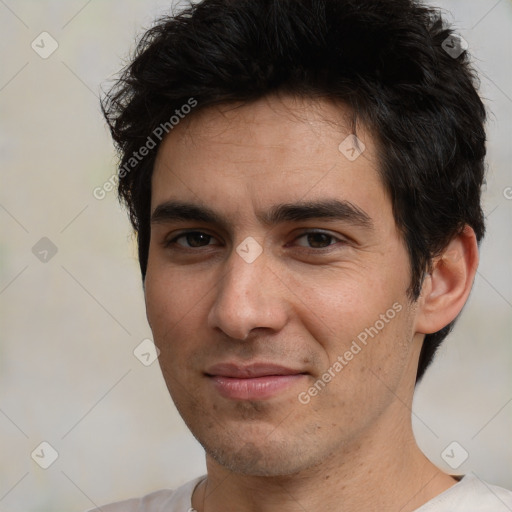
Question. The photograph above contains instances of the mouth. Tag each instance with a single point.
(258, 381)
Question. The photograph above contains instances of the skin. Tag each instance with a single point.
(300, 304)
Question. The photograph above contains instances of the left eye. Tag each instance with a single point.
(318, 239)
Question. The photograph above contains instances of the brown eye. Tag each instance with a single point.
(318, 239)
(193, 239)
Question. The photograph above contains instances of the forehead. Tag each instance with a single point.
(274, 150)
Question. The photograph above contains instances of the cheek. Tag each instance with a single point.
(339, 305)
(363, 324)
(170, 300)
(160, 302)
(170, 310)
(362, 379)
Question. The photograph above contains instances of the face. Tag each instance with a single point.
(277, 294)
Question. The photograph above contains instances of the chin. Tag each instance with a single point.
(251, 459)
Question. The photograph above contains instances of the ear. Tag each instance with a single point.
(446, 288)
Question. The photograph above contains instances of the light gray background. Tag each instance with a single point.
(69, 326)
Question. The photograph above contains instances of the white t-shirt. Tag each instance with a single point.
(470, 494)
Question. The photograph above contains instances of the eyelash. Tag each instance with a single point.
(173, 241)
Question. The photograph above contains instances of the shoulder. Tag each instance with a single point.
(471, 494)
(158, 501)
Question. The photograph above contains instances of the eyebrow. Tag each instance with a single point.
(328, 209)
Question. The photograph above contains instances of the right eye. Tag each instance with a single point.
(194, 239)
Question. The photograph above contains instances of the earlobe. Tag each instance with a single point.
(446, 289)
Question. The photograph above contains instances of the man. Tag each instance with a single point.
(304, 178)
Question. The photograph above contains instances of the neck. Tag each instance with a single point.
(383, 469)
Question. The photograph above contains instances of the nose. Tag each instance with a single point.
(249, 296)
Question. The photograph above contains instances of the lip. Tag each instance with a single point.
(250, 371)
(257, 381)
